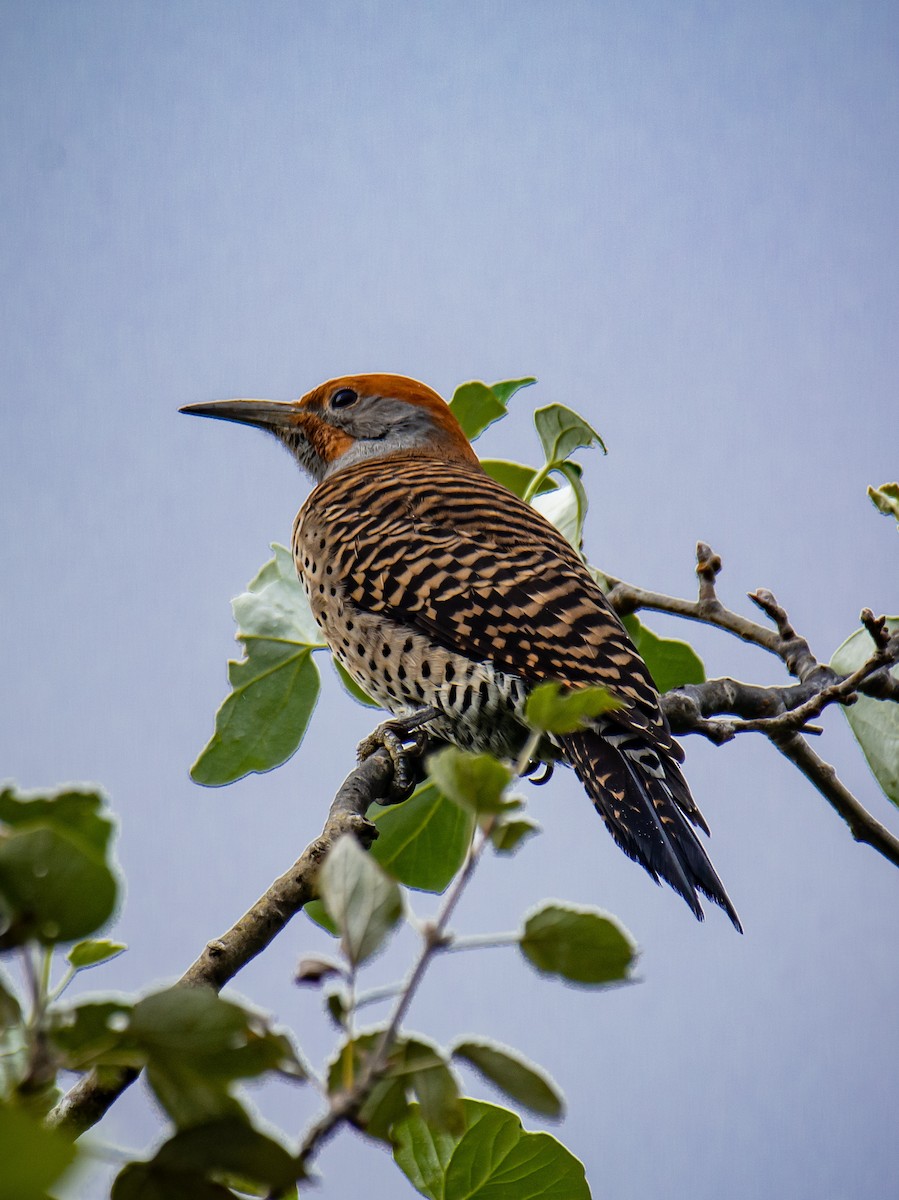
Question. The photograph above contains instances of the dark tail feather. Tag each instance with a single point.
(646, 805)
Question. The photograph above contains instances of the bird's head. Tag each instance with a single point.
(355, 417)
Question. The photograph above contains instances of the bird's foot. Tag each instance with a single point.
(405, 739)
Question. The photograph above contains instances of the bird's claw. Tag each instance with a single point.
(530, 772)
(405, 739)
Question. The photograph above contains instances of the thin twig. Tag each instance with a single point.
(346, 1105)
(782, 641)
(221, 959)
(844, 692)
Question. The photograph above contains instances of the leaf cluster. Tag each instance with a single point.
(404, 1089)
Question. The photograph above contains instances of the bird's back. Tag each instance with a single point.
(436, 585)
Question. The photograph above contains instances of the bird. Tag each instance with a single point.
(439, 589)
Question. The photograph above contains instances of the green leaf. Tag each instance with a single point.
(197, 1163)
(195, 1023)
(196, 1044)
(671, 663)
(476, 405)
(79, 811)
(562, 432)
(886, 499)
(352, 687)
(521, 1080)
(317, 913)
(34, 1157)
(515, 476)
(233, 1147)
(476, 782)
(566, 506)
(413, 1064)
(434, 1084)
(336, 1005)
(423, 841)
(552, 709)
(274, 688)
(218, 1036)
(363, 900)
(261, 724)
(507, 835)
(423, 1154)
(188, 1096)
(386, 1101)
(581, 945)
(494, 1158)
(875, 723)
(506, 388)
(93, 951)
(141, 1181)
(55, 885)
(91, 1034)
(13, 1040)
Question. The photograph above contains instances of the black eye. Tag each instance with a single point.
(344, 398)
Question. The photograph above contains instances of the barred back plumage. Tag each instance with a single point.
(491, 600)
(436, 586)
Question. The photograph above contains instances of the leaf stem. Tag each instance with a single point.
(482, 941)
(434, 939)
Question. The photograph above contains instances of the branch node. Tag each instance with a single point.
(708, 567)
(877, 628)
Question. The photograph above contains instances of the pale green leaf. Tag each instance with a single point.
(274, 687)
(361, 898)
(875, 723)
(562, 432)
(93, 951)
(565, 507)
(886, 499)
(275, 604)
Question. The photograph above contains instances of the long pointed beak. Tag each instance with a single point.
(268, 414)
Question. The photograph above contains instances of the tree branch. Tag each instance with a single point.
(862, 825)
(221, 959)
(782, 641)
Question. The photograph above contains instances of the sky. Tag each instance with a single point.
(683, 220)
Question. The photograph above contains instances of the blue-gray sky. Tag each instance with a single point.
(683, 219)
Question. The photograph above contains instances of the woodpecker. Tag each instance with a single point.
(436, 587)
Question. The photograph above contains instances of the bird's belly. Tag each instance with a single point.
(403, 671)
